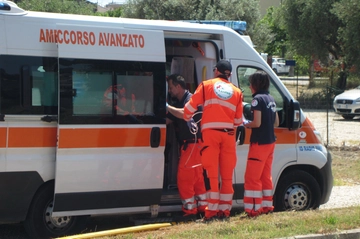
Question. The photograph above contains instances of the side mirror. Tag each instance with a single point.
(240, 135)
(294, 121)
(247, 112)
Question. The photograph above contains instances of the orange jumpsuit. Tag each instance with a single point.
(190, 179)
(258, 194)
(222, 111)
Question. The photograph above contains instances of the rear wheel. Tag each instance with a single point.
(348, 117)
(40, 224)
(297, 190)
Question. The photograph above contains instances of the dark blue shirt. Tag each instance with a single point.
(182, 130)
(264, 102)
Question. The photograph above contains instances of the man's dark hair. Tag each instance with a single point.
(260, 81)
(177, 80)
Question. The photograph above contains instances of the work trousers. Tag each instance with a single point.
(190, 179)
(219, 156)
(258, 195)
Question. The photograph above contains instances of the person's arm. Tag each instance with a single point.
(256, 121)
(276, 123)
(177, 112)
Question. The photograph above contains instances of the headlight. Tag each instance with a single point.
(357, 101)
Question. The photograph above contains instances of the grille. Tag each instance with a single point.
(344, 110)
(344, 102)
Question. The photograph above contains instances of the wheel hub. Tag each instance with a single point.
(55, 222)
(296, 197)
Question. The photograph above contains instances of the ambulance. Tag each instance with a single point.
(66, 150)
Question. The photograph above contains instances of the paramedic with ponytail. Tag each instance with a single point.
(190, 179)
(258, 195)
(222, 112)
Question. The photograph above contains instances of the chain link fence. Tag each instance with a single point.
(317, 103)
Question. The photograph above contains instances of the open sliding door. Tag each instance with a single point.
(111, 132)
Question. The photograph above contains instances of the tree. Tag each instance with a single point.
(313, 31)
(348, 11)
(59, 6)
(270, 35)
(195, 10)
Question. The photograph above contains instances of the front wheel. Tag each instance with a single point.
(40, 224)
(297, 190)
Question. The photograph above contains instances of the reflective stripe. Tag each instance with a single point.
(224, 207)
(267, 193)
(215, 101)
(226, 197)
(217, 125)
(188, 200)
(266, 203)
(253, 194)
(190, 206)
(202, 203)
(213, 206)
(237, 121)
(200, 196)
(191, 109)
(251, 206)
(213, 195)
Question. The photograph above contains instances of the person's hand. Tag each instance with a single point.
(246, 122)
(192, 125)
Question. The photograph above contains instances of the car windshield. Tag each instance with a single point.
(281, 61)
(358, 87)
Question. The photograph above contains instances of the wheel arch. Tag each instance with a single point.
(310, 169)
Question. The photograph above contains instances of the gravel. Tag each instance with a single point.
(338, 132)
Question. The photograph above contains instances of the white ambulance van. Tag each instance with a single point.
(82, 118)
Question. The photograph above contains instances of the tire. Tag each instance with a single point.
(298, 191)
(348, 117)
(39, 223)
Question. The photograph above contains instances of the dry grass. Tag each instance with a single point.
(346, 168)
(275, 225)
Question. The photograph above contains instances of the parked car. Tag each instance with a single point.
(347, 104)
(279, 67)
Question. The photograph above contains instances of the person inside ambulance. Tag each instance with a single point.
(222, 112)
(190, 180)
(116, 96)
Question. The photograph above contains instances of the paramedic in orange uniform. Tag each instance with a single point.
(222, 111)
(258, 195)
(190, 179)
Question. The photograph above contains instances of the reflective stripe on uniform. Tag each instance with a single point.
(266, 203)
(267, 193)
(253, 194)
(226, 197)
(200, 196)
(217, 125)
(213, 195)
(188, 200)
(250, 206)
(214, 101)
(224, 207)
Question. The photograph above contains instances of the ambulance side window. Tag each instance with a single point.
(111, 92)
(28, 85)
(243, 73)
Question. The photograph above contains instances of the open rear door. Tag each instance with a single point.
(111, 126)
